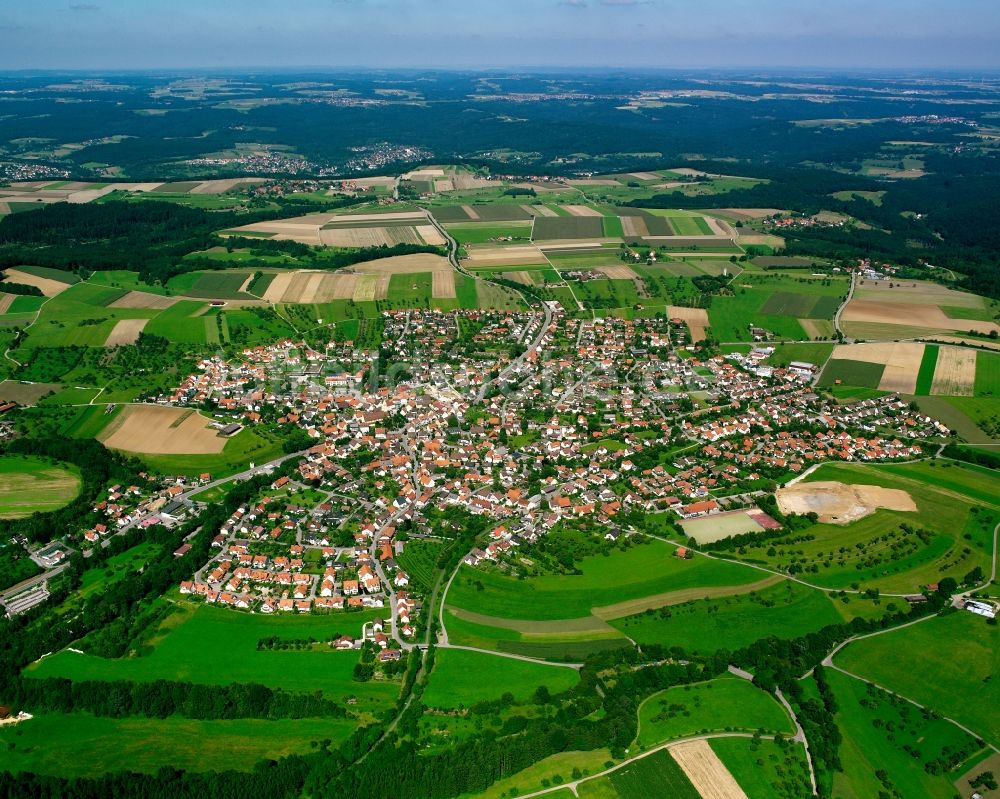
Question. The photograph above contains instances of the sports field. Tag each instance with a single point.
(33, 485)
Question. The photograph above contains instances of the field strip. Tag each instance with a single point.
(125, 331)
(6, 300)
(902, 368)
(632, 606)
(544, 210)
(707, 773)
(48, 287)
(443, 284)
(955, 372)
(143, 299)
(911, 315)
(582, 210)
(584, 624)
(431, 235)
(471, 212)
(634, 226)
(277, 288)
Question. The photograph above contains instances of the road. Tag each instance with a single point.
(840, 310)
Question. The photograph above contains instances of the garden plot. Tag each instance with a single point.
(955, 372)
(840, 503)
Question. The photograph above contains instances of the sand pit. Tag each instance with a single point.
(696, 319)
(839, 503)
(707, 773)
(911, 315)
(143, 299)
(47, 286)
(125, 331)
(431, 235)
(582, 210)
(160, 430)
(634, 226)
(622, 272)
(443, 284)
(6, 300)
(955, 372)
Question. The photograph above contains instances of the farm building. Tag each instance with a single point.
(981, 608)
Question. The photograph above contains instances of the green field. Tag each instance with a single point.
(643, 570)
(893, 738)
(549, 228)
(34, 485)
(987, 374)
(816, 354)
(949, 664)
(852, 373)
(205, 644)
(765, 769)
(52, 743)
(723, 704)
(657, 775)
(925, 376)
(220, 285)
(481, 233)
(786, 610)
(249, 445)
(462, 678)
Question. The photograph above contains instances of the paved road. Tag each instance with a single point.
(840, 310)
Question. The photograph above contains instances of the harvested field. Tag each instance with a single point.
(143, 299)
(915, 292)
(582, 210)
(431, 235)
(222, 186)
(543, 210)
(522, 277)
(6, 300)
(901, 360)
(750, 213)
(707, 773)
(25, 393)
(369, 236)
(696, 318)
(622, 272)
(839, 503)
(156, 430)
(634, 226)
(483, 257)
(370, 287)
(48, 287)
(125, 331)
(443, 284)
(471, 212)
(444, 185)
(404, 264)
(594, 182)
(817, 328)
(911, 315)
(645, 176)
(424, 174)
(955, 372)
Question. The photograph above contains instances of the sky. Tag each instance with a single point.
(672, 34)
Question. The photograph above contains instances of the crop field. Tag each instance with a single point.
(852, 373)
(709, 706)
(912, 662)
(902, 362)
(706, 771)
(51, 743)
(48, 285)
(25, 393)
(889, 736)
(215, 646)
(642, 571)
(703, 626)
(655, 775)
(160, 430)
(216, 285)
(775, 303)
(483, 233)
(568, 227)
(248, 445)
(462, 678)
(33, 485)
(341, 230)
(987, 382)
(762, 768)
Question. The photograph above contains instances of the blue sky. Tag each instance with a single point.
(114, 34)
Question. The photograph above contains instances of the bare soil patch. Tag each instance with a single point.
(634, 226)
(839, 503)
(48, 287)
(443, 284)
(955, 372)
(470, 212)
(622, 272)
(431, 235)
(143, 299)
(157, 430)
(707, 773)
(582, 210)
(6, 300)
(911, 315)
(125, 331)
(496, 256)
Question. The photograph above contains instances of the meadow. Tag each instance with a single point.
(936, 663)
(764, 769)
(35, 485)
(656, 775)
(462, 678)
(205, 644)
(726, 703)
(889, 736)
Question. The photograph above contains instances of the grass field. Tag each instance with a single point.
(657, 775)
(949, 664)
(31, 485)
(726, 703)
(550, 228)
(987, 374)
(463, 678)
(52, 743)
(891, 737)
(816, 354)
(249, 445)
(852, 373)
(925, 377)
(641, 571)
(765, 770)
(216, 646)
(787, 610)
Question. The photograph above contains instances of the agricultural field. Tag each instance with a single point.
(687, 710)
(702, 626)
(205, 644)
(35, 485)
(655, 775)
(462, 678)
(913, 663)
(776, 303)
(158, 430)
(764, 769)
